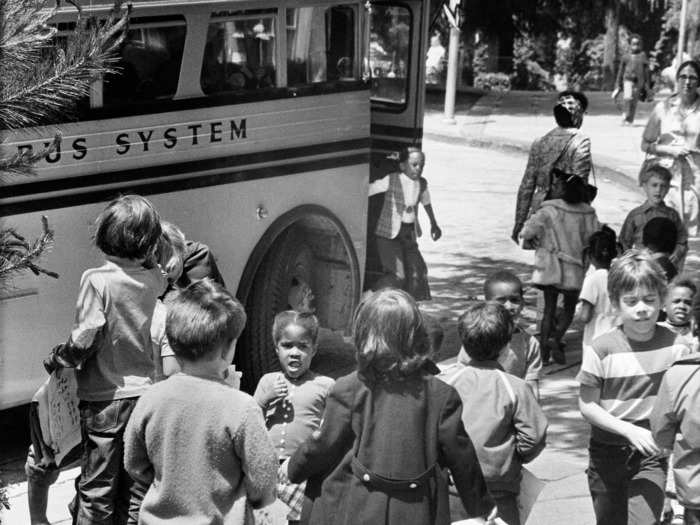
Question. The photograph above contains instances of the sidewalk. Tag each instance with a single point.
(513, 120)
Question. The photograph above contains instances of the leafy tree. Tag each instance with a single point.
(45, 75)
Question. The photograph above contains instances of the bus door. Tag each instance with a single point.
(396, 60)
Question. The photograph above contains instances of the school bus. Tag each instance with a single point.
(253, 125)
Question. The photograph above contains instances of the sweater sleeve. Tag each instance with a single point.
(530, 425)
(664, 424)
(458, 454)
(626, 237)
(136, 460)
(258, 457)
(534, 226)
(323, 451)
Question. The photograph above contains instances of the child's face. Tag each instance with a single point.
(295, 350)
(679, 304)
(656, 189)
(639, 309)
(509, 295)
(413, 166)
(557, 190)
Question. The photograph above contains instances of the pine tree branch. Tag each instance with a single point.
(17, 254)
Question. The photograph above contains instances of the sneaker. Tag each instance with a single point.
(557, 352)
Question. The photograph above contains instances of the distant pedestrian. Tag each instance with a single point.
(293, 400)
(595, 309)
(655, 183)
(632, 79)
(390, 430)
(671, 139)
(197, 446)
(619, 382)
(521, 357)
(565, 147)
(398, 226)
(111, 344)
(500, 413)
(560, 230)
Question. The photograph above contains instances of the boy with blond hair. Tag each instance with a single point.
(619, 381)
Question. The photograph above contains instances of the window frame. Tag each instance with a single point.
(388, 106)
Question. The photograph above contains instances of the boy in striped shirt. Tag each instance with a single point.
(619, 379)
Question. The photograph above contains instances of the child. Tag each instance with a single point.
(500, 413)
(389, 430)
(655, 181)
(196, 444)
(195, 260)
(111, 344)
(659, 236)
(676, 412)
(619, 380)
(561, 229)
(521, 356)
(595, 309)
(398, 226)
(678, 307)
(293, 401)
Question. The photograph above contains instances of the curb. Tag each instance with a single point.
(510, 146)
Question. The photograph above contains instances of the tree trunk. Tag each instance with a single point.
(612, 24)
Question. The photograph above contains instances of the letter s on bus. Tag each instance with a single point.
(170, 138)
(79, 148)
(123, 142)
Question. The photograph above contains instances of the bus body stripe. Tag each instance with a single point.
(166, 170)
(167, 186)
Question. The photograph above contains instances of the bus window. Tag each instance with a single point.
(149, 62)
(240, 53)
(320, 44)
(389, 52)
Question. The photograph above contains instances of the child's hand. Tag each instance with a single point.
(279, 389)
(435, 232)
(641, 439)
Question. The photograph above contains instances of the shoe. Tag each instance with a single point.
(556, 350)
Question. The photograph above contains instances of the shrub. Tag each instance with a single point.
(492, 81)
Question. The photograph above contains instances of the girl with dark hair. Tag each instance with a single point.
(671, 140)
(390, 430)
(565, 148)
(595, 309)
(560, 231)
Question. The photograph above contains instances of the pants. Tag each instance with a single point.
(507, 504)
(105, 488)
(692, 516)
(401, 258)
(626, 486)
(630, 94)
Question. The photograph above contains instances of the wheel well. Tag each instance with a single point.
(307, 249)
(309, 217)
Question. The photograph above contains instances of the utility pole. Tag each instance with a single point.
(681, 33)
(453, 16)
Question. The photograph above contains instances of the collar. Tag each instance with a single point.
(123, 262)
(464, 359)
(647, 206)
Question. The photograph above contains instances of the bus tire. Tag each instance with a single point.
(289, 259)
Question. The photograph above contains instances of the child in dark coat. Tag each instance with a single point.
(389, 431)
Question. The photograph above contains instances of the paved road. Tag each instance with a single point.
(473, 192)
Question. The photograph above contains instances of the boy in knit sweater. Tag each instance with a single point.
(197, 446)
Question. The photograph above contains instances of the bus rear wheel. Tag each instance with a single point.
(310, 254)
